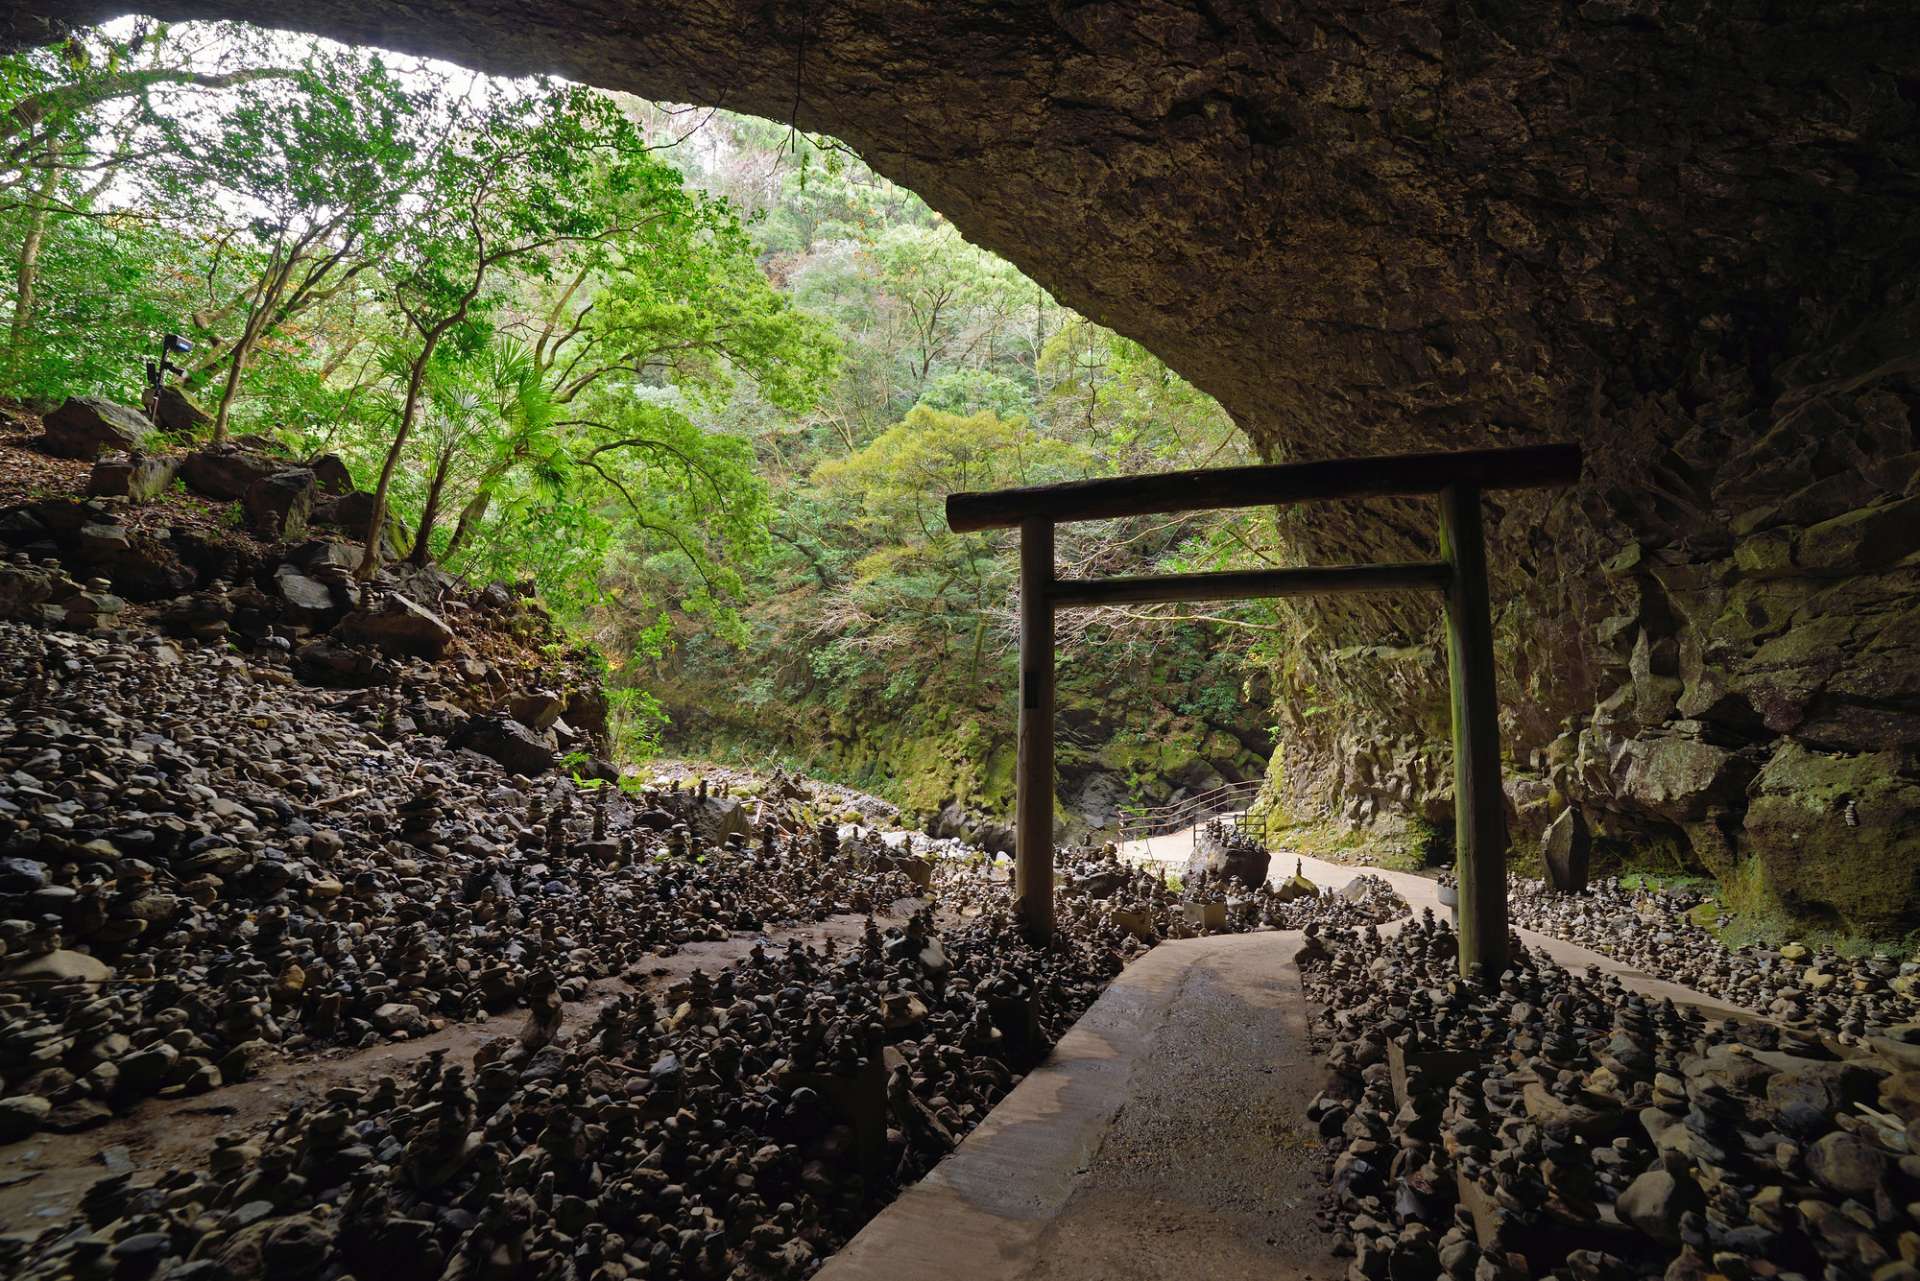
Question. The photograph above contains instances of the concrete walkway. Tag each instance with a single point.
(1164, 1139)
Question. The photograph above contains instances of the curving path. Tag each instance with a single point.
(1423, 892)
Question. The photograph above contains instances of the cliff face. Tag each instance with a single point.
(1677, 231)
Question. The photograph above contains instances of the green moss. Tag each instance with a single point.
(1411, 846)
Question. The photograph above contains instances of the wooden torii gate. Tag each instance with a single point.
(1458, 478)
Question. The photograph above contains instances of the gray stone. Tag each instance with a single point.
(60, 965)
(140, 477)
(21, 1115)
(1566, 848)
(398, 1018)
(1654, 1202)
(145, 1071)
(537, 709)
(1848, 1164)
(87, 426)
(331, 474)
(508, 742)
(393, 624)
(22, 875)
(307, 599)
(1838, 831)
(175, 411)
(226, 472)
(278, 504)
(350, 512)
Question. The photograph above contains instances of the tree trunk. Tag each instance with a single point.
(470, 517)
(266, 298)
(430, 511)
(377, 523)
(1039, 337)
(26, 275)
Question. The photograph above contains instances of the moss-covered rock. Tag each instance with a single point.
(1837, 838)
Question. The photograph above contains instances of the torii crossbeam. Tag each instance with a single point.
(1457, 478)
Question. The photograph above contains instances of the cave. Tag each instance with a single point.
(1676, 232)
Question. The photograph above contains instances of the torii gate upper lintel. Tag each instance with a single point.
(1457, 478)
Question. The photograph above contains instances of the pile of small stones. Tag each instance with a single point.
(1549, 1124)
(1097, 886)
(204, 865)
(744, 1128)
(1662, 932)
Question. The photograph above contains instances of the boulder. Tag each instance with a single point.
(994, 837)
(587, 711)
(23, 875)
(536, 709)
(331, 474)
(62, 964)
(955, 822)
(507, 741)
(1102, 883)
(350, 512)
(278, 504)
(598, 768)
(1682, 778)
(139, 565)
(1230, 855)
(328, 663)
(87, 426)
(175, 411)
(327, 554)
(1295, 887)
(21, 1115)
(140, 477)
(396, 1018)
(718, 817)
(1839, 835)
(307, 600)
(1848, 1164)
(226, 472)
(1654, 1203)
(393, 624)
(1566, 848)
(26, 590)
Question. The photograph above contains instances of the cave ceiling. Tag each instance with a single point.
(1359, 225)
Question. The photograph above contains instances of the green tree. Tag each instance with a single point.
(924, 590)
(522, 181)
(320, 162)
(76, 118)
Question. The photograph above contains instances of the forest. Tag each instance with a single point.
(703, 381)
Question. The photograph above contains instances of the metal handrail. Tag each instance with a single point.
(1189, 811)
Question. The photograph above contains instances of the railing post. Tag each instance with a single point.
(1479, 807)
(1033, 799)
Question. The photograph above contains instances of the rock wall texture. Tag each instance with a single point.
(1679, 231)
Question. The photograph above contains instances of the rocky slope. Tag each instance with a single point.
(108, 523)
